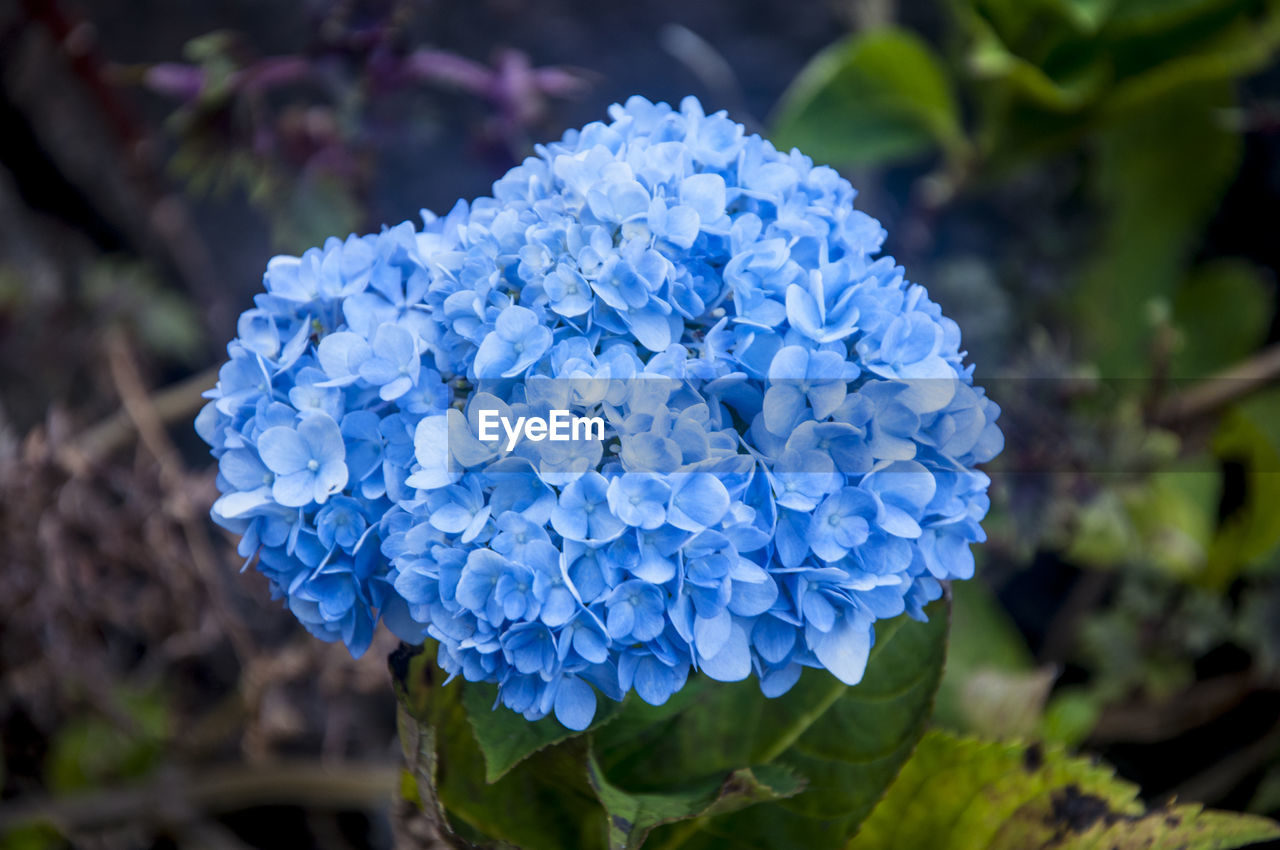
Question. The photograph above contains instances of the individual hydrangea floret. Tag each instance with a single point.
(787, 433)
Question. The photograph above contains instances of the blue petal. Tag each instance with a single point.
(844, 649)
(698, 501)
(654, 682)
(294, 489)
(775, 683)
(773, 639)
(341, 354)
(710, 634)
(705, 195)
(733, 662)
(323, 437)
(283, 451)
(784, 408)
(575, 703)
(431, 450)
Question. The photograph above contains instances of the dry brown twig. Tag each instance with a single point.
(1214, 393)
(181, 796)
(95, 444)
(151, 430)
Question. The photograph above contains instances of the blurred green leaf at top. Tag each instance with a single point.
(875, 97)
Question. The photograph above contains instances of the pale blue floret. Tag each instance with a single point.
(516, 342)
(790, 444)
(639, 499)
(307, 461)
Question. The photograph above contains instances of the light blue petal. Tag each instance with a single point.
(733, 662)
(323, 437)
(711, 633)
(784, 407)
(283, 451)
(826, 398)
(558, 607)
(652, 327)
(897, 522)
(575, 703)
(294, 489)
(653, 681)
(621, 620)
(341, 355)
(750, 600)
(791, 537)
(775, 683)
(591, 645)
(516, 322)
(705, 195)
(431, 450)
(394, 343)
(791, 363)
(698, 501)
(451, 518)
(330, 479)
(844, 649)
(234, 505)
(773, 639)
(242, 469)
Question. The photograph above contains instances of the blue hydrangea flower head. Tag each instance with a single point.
(780, 441)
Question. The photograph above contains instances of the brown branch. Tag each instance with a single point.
(1216, 392)
(174, 403)
(178, 796)
(151, 430)
(1150, 722)
(209, 835)
(1223, 775)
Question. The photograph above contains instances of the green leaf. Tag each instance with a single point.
(874, 97)
(95, 750)
(982, 634)
(544, 803)
(631, 817)
(506, 738)
(1087, 15)
(1150, 16)
(965, 794)
(1159, 176)
(129, 294)
(313, 208)
(1050, 72)
(1067, 54)
(1222, 312)
(1078, 83)
(991, 684)
(809, 764)
(846, 742)
(1174, 515)
(1250, 435)
(1070, 716)
(1267, 797)
(1028, 21)
(1215, 41)
(38, 836)
(1164, 521)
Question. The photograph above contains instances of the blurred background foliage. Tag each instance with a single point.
(1089, 187)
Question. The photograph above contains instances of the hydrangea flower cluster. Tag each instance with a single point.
(790, 432)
